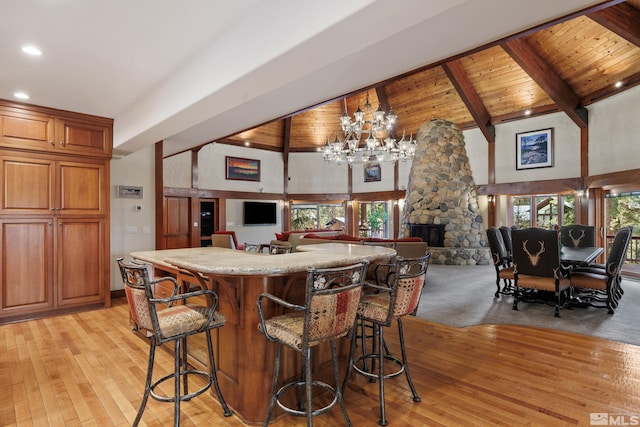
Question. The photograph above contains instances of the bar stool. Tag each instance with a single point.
(331, 302)
(173, 323)
(395, 295)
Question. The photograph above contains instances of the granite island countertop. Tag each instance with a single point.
(233, 262)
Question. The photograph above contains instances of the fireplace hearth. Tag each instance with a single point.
(433, 234)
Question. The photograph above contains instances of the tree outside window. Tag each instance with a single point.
(312, 215)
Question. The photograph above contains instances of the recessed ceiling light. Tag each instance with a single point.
(31, 50)
(618, 85)
(21, 95)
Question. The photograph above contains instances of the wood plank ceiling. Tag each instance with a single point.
(561, 66)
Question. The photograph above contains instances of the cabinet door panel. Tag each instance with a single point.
(80, 261)
(82, 188)
(20, 130)
(26, 271)
(84, 138)
(27, 186)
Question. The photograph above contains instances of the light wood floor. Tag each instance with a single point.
(88, 369)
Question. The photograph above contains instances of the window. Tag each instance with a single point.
(373, 219)
(315, 215)
(522, 211)
(543, 210)
(622, 210)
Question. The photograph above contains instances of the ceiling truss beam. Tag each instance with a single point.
(622, 19)
(471, 99)
(542, 73)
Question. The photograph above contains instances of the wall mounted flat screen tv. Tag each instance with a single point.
(259, 213)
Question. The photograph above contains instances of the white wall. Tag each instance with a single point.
(478, 153)
(308, 173)
(176, 171)
(136, 170)
(212, 169)
(614, 133)
(566, 149)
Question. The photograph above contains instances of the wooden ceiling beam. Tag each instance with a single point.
(471, 99)
(383, 101)
(622, 19)
(542, 73)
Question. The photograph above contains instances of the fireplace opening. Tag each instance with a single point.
(433, 234)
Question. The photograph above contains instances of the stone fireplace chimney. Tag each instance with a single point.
(441, 204)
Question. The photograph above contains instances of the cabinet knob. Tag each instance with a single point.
(53, 144)
(62, 143)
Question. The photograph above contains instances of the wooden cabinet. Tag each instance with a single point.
(40, 185)
(54, 212)
(26, 268)
(80, 261)
(23, 128)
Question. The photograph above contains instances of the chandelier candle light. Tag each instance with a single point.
(374, 150)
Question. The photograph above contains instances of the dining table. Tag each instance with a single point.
(579, 255)
(244, 357)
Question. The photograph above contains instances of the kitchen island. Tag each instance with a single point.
(244, 357)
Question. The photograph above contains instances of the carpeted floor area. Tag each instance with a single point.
(464, 295)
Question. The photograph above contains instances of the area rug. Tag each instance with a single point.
(462, 296)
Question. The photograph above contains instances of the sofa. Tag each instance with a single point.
(407, 247)
(292, 238)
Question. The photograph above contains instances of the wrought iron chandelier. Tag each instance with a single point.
(375, 149)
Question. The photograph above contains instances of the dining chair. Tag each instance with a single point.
(172, 319)
(395, 295)
(234, 239)
(600, 287)
(222, 241)
(501, 262)
(508, 244)
(280, 249)
(331, 303)
(578, 235)
(251, 247)
(537, 268)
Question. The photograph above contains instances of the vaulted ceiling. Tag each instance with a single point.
(564, 65)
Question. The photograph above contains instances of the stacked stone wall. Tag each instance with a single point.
(441, 190)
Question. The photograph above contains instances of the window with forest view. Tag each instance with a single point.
(373, 219)
(314, 215)
(543, 210)
(622, 210)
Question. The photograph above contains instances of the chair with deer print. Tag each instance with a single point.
(537, 267)
(578, 235)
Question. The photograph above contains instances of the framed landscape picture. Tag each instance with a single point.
(242, 169)
(534, 149)
(372, 172)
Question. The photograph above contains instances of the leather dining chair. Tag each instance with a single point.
(501, 262)
(537, 267)
(599, 286)
(578, 235)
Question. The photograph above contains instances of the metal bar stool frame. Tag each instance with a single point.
(139, 289)
(394, 296)
(331, 304)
